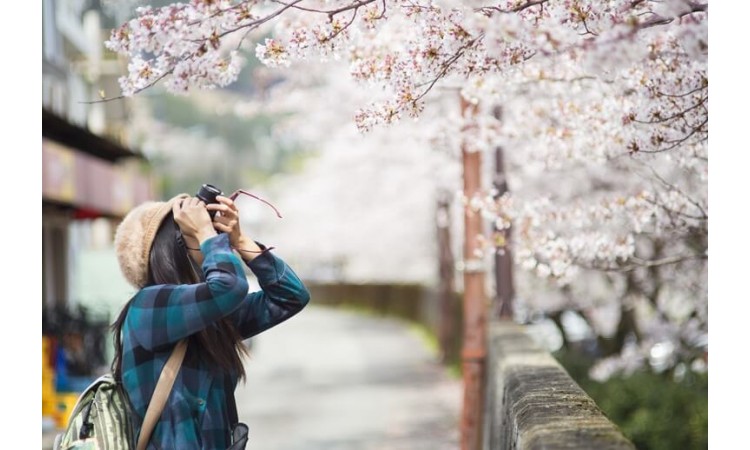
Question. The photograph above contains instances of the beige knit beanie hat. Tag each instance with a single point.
(135, 235)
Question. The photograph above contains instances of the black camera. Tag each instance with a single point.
(207, 194)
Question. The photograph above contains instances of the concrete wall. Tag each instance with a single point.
(532, 403)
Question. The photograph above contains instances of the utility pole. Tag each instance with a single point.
(473, 353)
(504, 290)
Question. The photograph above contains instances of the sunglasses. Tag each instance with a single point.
(237, 193)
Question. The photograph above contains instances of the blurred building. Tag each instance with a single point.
(91, 177)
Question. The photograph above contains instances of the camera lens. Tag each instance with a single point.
(207, 194)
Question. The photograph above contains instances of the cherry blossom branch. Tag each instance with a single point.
(677, 142)
(627, 34)
(332, 12)
(704, 86)
(586, 27)
(446, 65)
(674, 188)
(220, 12)
(137, 91)
(660, 20)
(675, 212)
(638, 263)
(348, 24)
(256, 23)
(678, 115)
(489, 10)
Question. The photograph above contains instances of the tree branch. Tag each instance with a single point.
(119, 97)
(660, 20)
(490, 10)
(330, 12)
(256, 23)
(446, 65)
(672, 187)
(677, 142)
(674, 116)
(638, 263)
(704, 86)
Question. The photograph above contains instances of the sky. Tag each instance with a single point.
(729, 309)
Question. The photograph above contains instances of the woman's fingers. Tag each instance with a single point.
(227, 223)
(227, 218)
(191, 216)
(223, 227)
(176, 208)
(229, 203)
(226, 201)
(190, 202)
(225, 209)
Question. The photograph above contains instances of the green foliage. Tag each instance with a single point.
(654, 410)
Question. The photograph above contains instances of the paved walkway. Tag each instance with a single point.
(335, 380)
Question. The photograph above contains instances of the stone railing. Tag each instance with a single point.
(532, 403)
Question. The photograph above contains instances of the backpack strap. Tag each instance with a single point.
(161, 393)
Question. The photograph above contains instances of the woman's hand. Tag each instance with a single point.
(227, 220)
(192, 217)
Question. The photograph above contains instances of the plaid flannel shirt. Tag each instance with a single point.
(196, 415)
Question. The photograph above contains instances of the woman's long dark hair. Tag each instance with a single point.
(220, 344)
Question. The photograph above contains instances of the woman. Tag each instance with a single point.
(192, 285)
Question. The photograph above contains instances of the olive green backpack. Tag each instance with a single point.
(102, 418)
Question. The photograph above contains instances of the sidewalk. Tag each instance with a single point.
(336, 380)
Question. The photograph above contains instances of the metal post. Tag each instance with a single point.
(504, 291)
(474, 343)
(446, 282)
